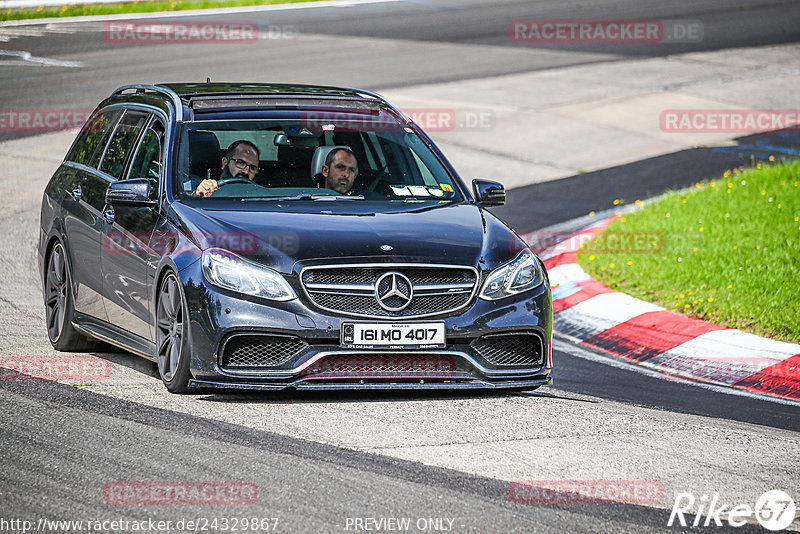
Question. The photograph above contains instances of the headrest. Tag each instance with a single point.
(318, 159)
(204, 154)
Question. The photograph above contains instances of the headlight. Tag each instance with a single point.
(520, 274)
(229, 271)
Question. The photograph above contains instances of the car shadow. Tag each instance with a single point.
(293, 396)
(126, 359)
(350, 396)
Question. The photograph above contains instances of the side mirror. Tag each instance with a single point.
(134, 192)
(489, 193)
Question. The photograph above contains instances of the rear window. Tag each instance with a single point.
(122, 142)
(91, 141)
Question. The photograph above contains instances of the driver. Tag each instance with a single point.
(240, 161)
(340, 170)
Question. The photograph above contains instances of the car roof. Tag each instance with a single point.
(192, 101)
(192, 90)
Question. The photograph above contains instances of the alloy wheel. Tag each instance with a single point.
(170, 329)
(56, 291)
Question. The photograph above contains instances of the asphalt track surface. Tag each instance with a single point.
(383, 45)
(60, 444)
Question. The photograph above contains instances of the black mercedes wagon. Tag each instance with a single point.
(263, 236)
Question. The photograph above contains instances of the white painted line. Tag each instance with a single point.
(195, 12)
(568, 272)
(735, 344)
(568, 322)
(725, 356)
(26, 59)
(604, 311)
(614, 308)
(580, 352)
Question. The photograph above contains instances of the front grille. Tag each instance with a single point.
(386, 366)
(362, 305)
(510, 349)
(417, 274)
(351, 290)
(245, 351)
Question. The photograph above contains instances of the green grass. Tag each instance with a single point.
(146, 6)
(727, 251)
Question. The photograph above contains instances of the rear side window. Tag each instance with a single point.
(148, 160)
(93, 137)
(122, 142)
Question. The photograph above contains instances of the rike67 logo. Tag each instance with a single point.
(774, 510)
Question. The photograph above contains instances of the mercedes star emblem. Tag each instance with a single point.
(393, 291)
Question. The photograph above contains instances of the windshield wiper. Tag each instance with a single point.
(308, 196)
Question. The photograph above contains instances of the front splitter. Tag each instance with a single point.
(329, 386)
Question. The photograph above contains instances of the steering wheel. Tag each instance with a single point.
(239, 187)
(375, 181)
(234, 180)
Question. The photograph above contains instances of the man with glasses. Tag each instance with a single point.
(240, 161)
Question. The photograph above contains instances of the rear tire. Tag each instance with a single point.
(171, 353)
(59, 308)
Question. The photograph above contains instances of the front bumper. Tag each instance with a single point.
(421, 385)
(215, 315)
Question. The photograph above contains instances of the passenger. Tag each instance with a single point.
(240, 161)
(340, 170)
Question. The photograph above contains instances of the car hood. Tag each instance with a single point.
(460, 234)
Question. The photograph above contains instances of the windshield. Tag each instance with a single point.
(311, 161)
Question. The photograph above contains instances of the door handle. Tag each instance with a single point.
(77, 193)
(108, 214)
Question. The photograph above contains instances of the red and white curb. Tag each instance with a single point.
(593, 315)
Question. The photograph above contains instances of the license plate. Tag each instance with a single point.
(393, 335)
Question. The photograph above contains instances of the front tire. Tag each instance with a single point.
(59, 307)
(171, 353)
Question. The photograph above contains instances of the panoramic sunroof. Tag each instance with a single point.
(205, 103)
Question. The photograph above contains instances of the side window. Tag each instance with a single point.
(148, 160)
(92, 140)
(121, 143)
